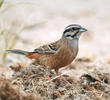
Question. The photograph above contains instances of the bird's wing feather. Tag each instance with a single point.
(50, 49)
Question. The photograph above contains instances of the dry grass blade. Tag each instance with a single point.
(1, 3)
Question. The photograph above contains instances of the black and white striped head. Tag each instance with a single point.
(73, 31)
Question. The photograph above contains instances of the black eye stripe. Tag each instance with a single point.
(68, 30)
(71, 29)
(68, 35)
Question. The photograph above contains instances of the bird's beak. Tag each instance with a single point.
(82, 30)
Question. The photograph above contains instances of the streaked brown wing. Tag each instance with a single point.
(50, 49)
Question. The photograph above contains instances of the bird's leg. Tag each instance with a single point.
(61, 76)
(48, 76)
(49, 79)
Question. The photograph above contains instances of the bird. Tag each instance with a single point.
(57, 54)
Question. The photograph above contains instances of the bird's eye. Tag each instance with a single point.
(74, 28)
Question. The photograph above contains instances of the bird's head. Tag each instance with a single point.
(73, 31)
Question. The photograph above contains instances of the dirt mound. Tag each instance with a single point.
(9, 92)
(91, 86)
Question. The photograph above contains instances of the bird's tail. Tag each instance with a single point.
(21, 52)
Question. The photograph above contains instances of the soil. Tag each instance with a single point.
(31, 83)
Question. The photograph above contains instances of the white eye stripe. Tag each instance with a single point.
(67, 34)
(70, 33)
(70, 38)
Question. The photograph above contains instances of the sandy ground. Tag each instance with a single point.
(38, 22)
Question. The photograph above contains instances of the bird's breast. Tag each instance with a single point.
(63, 57)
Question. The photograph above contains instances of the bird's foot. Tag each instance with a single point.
(61, 76)
(49, 79)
